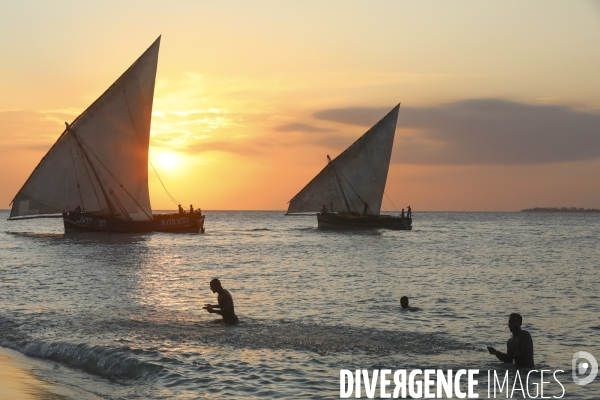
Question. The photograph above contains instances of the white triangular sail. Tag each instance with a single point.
(100, 162)
(354, 178)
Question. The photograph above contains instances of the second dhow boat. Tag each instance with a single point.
(348, 192)
(96, 174)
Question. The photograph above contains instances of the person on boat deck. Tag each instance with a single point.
(191, 209)
(365, 209)
(78, 209)
(324, 209)
(180, 209)
(519, 347)
(402, 215)
(225, 303)
(408, 212)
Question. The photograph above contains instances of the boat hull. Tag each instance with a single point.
(353, 221)
(174, 223)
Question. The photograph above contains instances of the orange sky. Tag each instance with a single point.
(500, 101)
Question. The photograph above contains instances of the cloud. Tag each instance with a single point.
(300, 127)
(189, 123)
(28, 130)
(242, 149)
(485, 131)
(361, 116)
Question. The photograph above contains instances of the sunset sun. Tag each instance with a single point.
(166, 160)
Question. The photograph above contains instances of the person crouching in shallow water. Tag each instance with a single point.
(519, 346)
(225, 306)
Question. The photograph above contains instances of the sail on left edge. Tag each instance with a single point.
(100, 162)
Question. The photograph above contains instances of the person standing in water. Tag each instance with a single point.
(519, 346)
(225, 306)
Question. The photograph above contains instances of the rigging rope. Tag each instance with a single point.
(380, 186)
(338, 188)
(80, 143)
(351, 187)
(171, 197)
(390, 201)
(114, 177)
(87, 171)
(340, 184)
(75, 170)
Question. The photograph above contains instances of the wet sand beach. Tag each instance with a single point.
(17, 381)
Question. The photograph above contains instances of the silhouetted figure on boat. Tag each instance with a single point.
(366, 209)
(402, 214)
(225, 307)
(78, 210)
(408, 212)
(324, 209)
(191, 209)
(519, 347)
(180, 209)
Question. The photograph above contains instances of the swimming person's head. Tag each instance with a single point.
(404, 302)
(514, 322)
(215, 285)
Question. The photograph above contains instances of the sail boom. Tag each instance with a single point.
(308, 214)
(35, 217)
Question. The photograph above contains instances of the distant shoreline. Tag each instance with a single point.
(561, 209)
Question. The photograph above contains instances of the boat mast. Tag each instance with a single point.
(123, 210)
(337, 178)
(366, 205)
(89, 162)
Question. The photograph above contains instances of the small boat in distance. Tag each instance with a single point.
(96, 174)
(348, 192)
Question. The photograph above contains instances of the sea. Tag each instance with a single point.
(119, 316)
